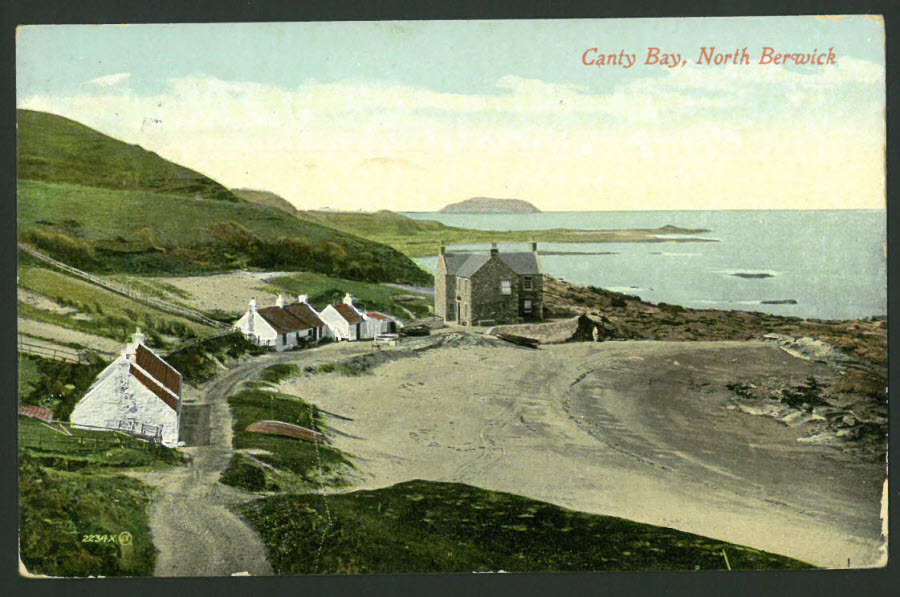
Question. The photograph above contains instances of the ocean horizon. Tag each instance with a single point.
(821, 264)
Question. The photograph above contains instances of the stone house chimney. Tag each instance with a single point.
(252, 305)
(348, 300)
(533, 246)
(494, 250)
(279, 301)
(302, 298)
(443, 248)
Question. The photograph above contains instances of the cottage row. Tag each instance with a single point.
(140, 394)
(285, 326)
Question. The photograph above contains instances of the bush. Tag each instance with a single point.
(244, 475)
(72, 251)
(58, 385)
(196, 362)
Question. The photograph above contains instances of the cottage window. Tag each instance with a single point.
(527, 283)
(505, 287)
(527, 307)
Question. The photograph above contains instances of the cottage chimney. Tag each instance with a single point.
(279, 301)
(252, 306)
(302, 298)
(443, 248)
(131, 348)
(494, 250)
(348, 300)
(533, 246)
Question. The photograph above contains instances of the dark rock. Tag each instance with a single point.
(751, 276)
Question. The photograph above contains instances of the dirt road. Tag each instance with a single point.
(194, 531)
(640, 430)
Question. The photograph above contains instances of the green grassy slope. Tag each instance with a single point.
(75, 504)
(141, 232)
(326, 290)
(384, 223)
(265, 198)
(99, 311)
(422, 526)
(103, 205)
(53, 148)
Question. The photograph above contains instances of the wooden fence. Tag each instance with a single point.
(74, 356)
(186, 312)
(64, 437)
(70, 355)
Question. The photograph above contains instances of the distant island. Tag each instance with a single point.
(488, 205)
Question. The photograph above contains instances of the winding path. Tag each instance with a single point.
(194, 530)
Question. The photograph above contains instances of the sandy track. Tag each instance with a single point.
(194, 531)
(639, 430)
(60, 334)
(226, 292)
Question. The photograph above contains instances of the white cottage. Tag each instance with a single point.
(382, 323)
(345, 321)
(305, 312)
(278, 327)
(138, 393)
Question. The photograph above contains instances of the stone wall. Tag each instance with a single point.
(444, 292)
(464, 290)
(488, 303)
(536, 296)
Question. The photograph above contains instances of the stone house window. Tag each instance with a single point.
(505, 287)
(527, 306)
(527, 283)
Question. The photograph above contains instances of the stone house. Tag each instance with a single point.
(489, 289)
(138, 393)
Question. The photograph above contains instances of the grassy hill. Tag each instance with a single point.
(103, 205)
(384, 223)
(265, 198)
(426, 527)
(56, 149)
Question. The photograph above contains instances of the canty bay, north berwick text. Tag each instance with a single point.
(709, 56)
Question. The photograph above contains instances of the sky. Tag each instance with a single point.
(413, 115)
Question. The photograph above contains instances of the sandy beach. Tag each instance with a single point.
(640, 430)
(225, 292)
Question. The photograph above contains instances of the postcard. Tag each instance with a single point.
(331, 298)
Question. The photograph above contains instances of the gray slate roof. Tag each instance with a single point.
(466, 264)
(521, 263)
(472, 264)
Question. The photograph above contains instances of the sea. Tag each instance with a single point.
(828, 264)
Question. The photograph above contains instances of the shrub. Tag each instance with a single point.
(244, 475)
(63, 247)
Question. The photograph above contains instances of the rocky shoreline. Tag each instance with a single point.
(842, 402)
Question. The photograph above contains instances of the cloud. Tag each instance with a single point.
(110, 80)
(692, 138)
